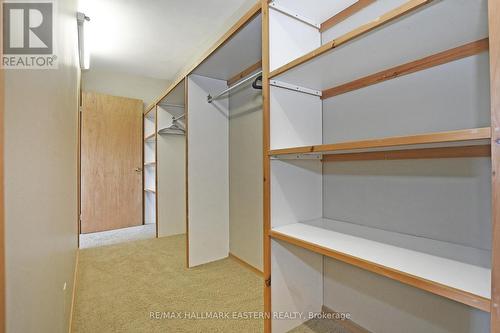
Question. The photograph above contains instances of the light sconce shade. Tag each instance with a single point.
(83, 45)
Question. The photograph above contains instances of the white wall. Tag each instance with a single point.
(245, 175)
(369, 297)
(208, 172)
(125, 85)
(41, 187)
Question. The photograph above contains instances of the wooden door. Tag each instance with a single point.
(111, 162)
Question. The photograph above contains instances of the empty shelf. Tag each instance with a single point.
(388, 17)
(464, 137)
(148, 164)
(148, 190)
(459, 281)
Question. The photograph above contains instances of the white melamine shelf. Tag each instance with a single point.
(148, 190)
(342, 60)
(462, 282)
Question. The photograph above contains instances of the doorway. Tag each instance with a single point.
(112, 171)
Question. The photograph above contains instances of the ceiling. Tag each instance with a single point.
(156, 38)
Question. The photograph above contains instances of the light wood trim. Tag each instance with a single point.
(348, 324)
(143, 175)
(461, 296)
(73, 292)
(266, 165)
(2, 199)
(150, 136)
(245, 72)
(427, 138)
(246, 265)
(242, 22)
(437, 59)
(156, 171)
(149, 109)
(345, 14)
(186, 127)
(384, 19)
(494, 28)
(79, 160)
(413, 154)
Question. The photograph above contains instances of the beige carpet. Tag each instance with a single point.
(104, 238)
(119, 286)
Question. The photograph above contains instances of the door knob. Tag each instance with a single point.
(138, 169)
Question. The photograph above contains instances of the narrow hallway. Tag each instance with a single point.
(119, 286)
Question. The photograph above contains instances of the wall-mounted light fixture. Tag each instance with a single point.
(83, 45)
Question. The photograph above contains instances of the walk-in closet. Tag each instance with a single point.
(379, 199)
(203, 145)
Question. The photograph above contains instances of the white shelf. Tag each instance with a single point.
(415, 37)
(450, 278)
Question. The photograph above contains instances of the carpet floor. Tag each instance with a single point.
(135, 286)
(104, 238)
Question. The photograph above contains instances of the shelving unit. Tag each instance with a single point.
(171, 169)
(149, 171)
(458, 138)
(378, 154)
(460, 281)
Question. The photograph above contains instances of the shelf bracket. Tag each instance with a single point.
(293, 87)
(294, 15)
(298, 157)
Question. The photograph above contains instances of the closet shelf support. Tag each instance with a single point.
(294, 15)
(294, 87)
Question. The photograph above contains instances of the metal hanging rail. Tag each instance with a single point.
(210, 99)
(179, 118)
(171, 105)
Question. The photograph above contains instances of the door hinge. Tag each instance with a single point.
(268, 282)
(80, 108)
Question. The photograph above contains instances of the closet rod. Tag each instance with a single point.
(172, 105)
(210, 99)
(178, 118)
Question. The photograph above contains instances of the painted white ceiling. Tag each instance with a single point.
(156, 38)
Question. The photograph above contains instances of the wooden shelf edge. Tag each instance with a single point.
(345, 14)
(434, 60)
(380, 21)
(457, 295)
(465, 135)
(413, 154)
(149, 109)
(245, 72)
